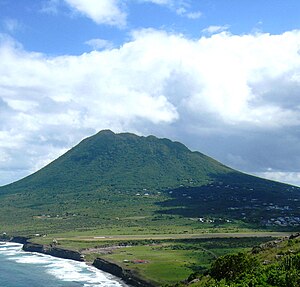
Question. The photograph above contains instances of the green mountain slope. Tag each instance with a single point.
(122, 161)
(136, 184)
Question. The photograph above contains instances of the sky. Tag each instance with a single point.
(220, 76)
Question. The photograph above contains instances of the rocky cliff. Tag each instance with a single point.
(53, 251)
(126, 275)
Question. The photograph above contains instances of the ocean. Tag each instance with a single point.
(23, 269)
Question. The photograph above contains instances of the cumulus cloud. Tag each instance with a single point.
(114, 12)
(101, 12)
(223, 90)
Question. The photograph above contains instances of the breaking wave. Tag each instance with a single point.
(72, 273)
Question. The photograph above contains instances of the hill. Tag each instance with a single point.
(125, 183)
(122, 161)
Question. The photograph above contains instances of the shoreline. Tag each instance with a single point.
(99, 263)
(128, 276)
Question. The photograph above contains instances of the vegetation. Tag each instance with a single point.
(248, 269)
(161, 261)
(172, 261)
(144, 203)
(126, 184)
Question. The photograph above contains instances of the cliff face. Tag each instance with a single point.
(118, 271)
(19, 239)
(16, 239)
(99, 263)
(53, 251)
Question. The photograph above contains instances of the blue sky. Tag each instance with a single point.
(55, 28)
(221, 76)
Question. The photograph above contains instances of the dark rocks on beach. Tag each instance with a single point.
(53, 251)
(19, 239)
(127, 275)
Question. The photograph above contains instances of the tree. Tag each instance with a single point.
(232, 266)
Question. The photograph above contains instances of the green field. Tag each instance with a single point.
(160, 260)
(171, 262)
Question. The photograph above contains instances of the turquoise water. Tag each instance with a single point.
(23, 269)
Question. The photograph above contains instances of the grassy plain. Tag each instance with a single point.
(168, 262)
(162, 259)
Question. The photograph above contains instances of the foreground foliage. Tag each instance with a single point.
(282, 269)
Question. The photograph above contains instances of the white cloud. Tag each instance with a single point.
(180, 7)
(99, 44)
(113, 12)
(194, 15)
(287, 177)
(101, 12)
(216, 88)
(184, 12)
(215, 29)
(159, 2)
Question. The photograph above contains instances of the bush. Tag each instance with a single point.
(232, 266)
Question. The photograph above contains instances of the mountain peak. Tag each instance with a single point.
(108, 174)
(105, 132)
(125, 160)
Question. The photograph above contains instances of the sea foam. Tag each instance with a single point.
(62, 269)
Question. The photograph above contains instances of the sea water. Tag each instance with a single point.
(24, 269)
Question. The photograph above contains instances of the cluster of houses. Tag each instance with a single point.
(265, 206)
(210, 220)
(271, 206)
(284, 221)
(136, 261)
(56, 216)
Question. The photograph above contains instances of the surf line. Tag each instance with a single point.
(125, 275)
(58, 268)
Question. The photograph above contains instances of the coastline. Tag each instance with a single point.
(128, 276)
(125, 274)
(101, 264)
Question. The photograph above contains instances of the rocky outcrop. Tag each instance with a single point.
(53, 251)
(296, 235)
(19, 239)
(273, 244)
(127, 275)
(16, 239)
(34, 247)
